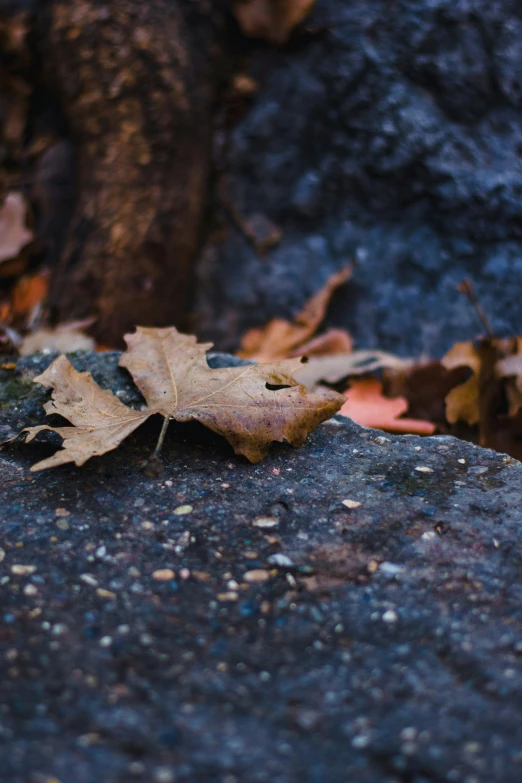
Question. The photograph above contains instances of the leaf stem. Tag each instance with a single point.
(466, 288)
(159, 444)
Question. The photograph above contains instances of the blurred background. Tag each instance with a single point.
(211, 165)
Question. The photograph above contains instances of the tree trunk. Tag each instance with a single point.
(137, 86)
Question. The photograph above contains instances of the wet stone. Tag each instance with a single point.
(377, 644)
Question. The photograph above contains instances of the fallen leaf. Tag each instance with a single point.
(481, 400)
(13, 232)
(462, 402)
(425, 386)
(171, 371)
(272, 20)
(331, 343)
(28, 294)
(366, 405)
(510, 369)
(280, 339)
(65, 338)
(332, 369)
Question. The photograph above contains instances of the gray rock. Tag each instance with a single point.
(392, 137)
(390, 651)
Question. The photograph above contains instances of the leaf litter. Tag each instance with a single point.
(474, 392)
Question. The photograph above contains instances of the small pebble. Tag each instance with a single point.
(2, 554)
(201, 576)
(390, 569)
(265, 522)
(105, 593)
(428, 535)
(89, 580)
(105, 641)
(164, 775)
(462, 461)
(30, 590)
(280, 560)
(163, 574)
(23, 570)
(180, 510)
(231, 595)
(423, 469)
(256, 576)
(360, 741)
(390, 616)
(184, 573)
(62, 512)
(351, 503)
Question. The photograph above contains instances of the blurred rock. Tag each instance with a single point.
(391, 135)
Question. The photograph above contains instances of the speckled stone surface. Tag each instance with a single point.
(296, 640)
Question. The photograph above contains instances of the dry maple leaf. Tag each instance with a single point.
(171, 371)
(366, 405)
(272, 20)
(280, 339)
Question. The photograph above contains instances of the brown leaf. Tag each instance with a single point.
(332, 369)
(279, 338)
(171, 371)
(331, 343)
(425, 387)
(64, 337)
(462, 402)
(272, 20)
(13, 233)
(100, 420)
(481, 399)
(510, 369)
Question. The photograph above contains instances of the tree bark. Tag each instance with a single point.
(137, 86)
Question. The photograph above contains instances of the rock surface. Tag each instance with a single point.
(391, 135)
(236, 623)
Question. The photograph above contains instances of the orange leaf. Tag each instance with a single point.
(280, 339)
(272, 20)
(29, 291)
(366, 405)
